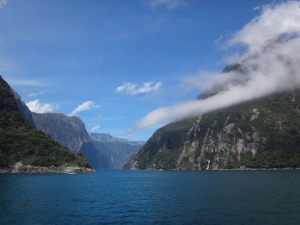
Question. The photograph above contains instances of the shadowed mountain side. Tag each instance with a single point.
(96, 157)
(116, 149)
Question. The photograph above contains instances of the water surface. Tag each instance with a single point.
(152, 197)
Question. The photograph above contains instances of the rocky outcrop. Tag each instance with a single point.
(28, 169)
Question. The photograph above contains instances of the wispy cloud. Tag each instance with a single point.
(36, 106)
(2, 2)
(84, 107)
(198, 81)
(134, 89)
(168, 4)
(34, 94)
(271, 64)
(6, 66)
(25, 82)
(95, 128)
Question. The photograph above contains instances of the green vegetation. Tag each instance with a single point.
(20, 141)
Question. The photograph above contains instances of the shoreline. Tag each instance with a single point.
(19, 168)
(244, 169)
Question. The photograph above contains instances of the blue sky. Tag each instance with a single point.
(110, 62)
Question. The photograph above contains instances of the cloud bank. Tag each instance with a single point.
(134, 89)
(37, 107)
(84, 107)
(271, 64)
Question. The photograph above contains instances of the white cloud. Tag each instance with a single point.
(271, 64)
(169, 4)
(84, 107)
(2, 2)
(275, 20)
(95, 128)
(36, 106)
(133, 89)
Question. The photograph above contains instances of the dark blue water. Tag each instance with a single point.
(152, 197)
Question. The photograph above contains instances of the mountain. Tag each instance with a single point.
(116, 149)
(22, 143)
(68, 131)
(262, 133)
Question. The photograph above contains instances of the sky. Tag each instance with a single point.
(128, 67)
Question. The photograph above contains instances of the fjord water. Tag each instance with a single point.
(152, 197)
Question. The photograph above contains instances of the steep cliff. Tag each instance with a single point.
(68, 131)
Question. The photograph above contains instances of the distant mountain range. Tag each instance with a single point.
(115, 148)
(71, 133)
(101, 150)
(262, 133)
(22, 146)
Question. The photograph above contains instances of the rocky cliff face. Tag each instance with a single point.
(262, 133)
(68, 131)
